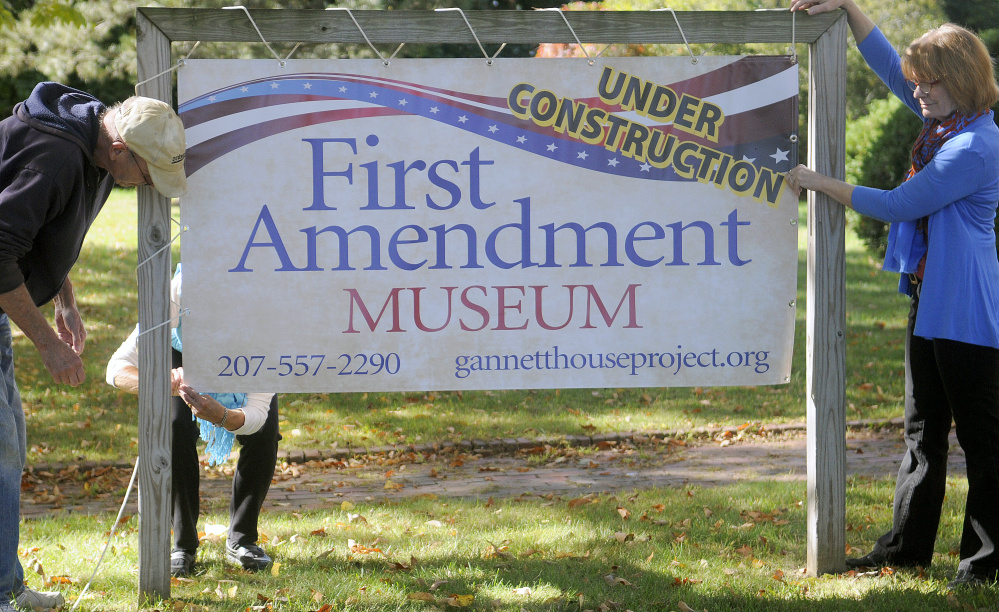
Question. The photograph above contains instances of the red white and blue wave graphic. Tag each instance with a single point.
(757, 94)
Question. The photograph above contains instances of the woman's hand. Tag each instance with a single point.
(204, 407)
(802, 177)
(176, 380)
(814, 7)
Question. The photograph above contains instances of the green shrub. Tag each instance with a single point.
(878, 153)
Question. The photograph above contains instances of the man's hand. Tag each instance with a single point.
(61, 357)
(69, 326)
(63, 362)
(69, 323)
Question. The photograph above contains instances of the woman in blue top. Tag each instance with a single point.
(942, 242)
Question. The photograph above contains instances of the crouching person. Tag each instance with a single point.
(219, 418)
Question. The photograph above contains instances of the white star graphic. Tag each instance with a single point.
(434, 110)
(373, 94)
(645, 167)
(307, 85)
(552, 147)
(493, 129)
(211, 98)
(403, 102)
(751, 160)
(521, 139)
(582, 155)
(613, 162)
(343, 88)
(462, 119)
(244, 89)
(780, 156)
(274, 85)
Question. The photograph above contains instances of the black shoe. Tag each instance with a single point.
(967, 578)
(252, 558)
(872, 559)
(181, 563)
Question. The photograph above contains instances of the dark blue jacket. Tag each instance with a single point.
(50, 188)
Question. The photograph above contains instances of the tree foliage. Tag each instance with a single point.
(91, 43)
(878, 154)
(42, 13)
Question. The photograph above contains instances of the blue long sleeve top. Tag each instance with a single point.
(958, 192)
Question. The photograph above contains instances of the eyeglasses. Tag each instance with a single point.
(146, 180)
(924, 88)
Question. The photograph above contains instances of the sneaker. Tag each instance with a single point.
(30, 600)
(967, 578)
(251, 557)
(181, 563)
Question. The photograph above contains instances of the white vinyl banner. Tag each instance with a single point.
(450, 224)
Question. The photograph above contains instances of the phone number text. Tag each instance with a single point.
(344, 364)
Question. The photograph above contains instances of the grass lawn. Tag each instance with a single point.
(733, 548)
(738, 547)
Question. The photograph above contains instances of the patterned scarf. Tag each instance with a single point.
(932, 137)
(907, 239)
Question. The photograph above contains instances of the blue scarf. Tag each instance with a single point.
(219, 440)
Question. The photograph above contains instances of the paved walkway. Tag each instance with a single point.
(481, 471)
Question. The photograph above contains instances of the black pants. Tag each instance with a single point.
(945, 379)
(254, 471)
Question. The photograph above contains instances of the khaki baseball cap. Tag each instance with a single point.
(154, 132)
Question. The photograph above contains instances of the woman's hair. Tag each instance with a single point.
(960, 60)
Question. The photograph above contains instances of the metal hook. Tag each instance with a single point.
(589, 59)
(794, 17)
(350, 14)
(693, 60)
(489, 60)
(180, 63)
(254, 24)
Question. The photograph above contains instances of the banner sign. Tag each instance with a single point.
(451, 224)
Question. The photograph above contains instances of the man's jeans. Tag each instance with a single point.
(12, 458)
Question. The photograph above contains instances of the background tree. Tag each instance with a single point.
(91, 43)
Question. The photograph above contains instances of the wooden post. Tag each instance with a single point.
(155, 431)
(826, 321)
(826, 309)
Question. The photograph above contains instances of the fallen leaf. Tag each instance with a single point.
(613, 580)
(458, 601)
(421, 596)
(624, 512)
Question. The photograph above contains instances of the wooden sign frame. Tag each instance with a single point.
(825, 348)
